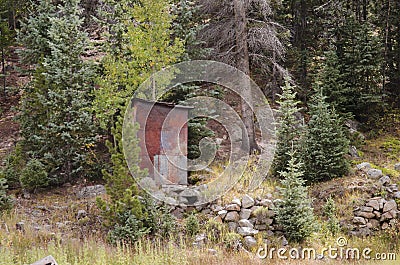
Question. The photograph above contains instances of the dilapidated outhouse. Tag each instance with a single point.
(163, 137)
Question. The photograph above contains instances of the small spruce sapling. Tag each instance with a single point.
(295, 212)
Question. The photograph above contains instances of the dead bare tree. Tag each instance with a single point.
(241, 33)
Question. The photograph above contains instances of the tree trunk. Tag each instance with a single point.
(3, 64)
(242, 63)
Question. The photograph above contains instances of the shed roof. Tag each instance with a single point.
(165, 104)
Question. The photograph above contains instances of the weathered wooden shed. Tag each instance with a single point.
(163, 137)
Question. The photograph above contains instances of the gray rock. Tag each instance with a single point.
(206, 211)
(393, 187)
(200, 239)
(361, 232)
(367, 215)
(91, 191)
(232, 226)
(183, 201)
(261, 227)
(396, 195)
(172, 189)
(218, 219)
(245, 213)
(159, 195)
(245, 223)
(397, 167)
(387, 216)
(385, 180)
(364, 166)
(148, 183)
(247, 201)
(222, 213)
(232, 207)
(246, 231)
(268, 221)
(390, 205)
(20, 226)
(284, 241)
(385, 226)
(171, 201)
(212, 251)
(267, 203)
(250, 241)
(373, 223)
(277, 201)
(353, 151)
(237, 201)
(216, 208)
(377, 214)
(374, 173)
(382, 202)
(270, 233)
(359, 220)
(374, 204)
(81, 214)
(253, 209)
(232, 216)
(191, 195)
(367, 209)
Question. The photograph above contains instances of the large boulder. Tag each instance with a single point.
(374, 173)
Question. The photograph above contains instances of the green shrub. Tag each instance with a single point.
(6, 202)
(330, 212)
(128, 229)
(34, 175)
(232, 240)
(14, 163)
(215, 231)
(192, 225)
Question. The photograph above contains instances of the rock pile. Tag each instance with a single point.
(248, 216)
(377, 213)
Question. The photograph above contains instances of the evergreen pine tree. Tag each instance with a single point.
(139, 44)
(289, 128)
(333, 84)
(56, 118)
(325, 144)
(295, 213)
